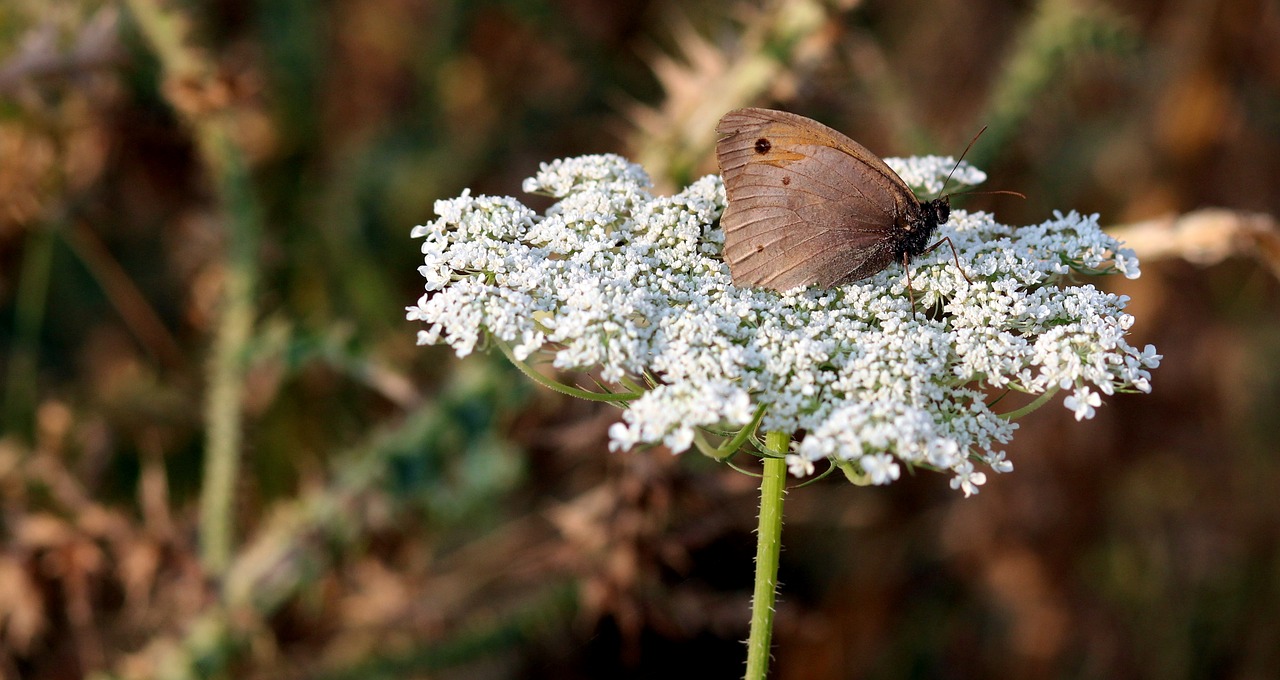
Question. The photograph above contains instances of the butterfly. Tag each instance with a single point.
(809, 206)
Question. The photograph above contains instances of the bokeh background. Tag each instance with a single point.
(221, 454)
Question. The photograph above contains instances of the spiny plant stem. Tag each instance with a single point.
(189, 69)
(768, 549)
(225, 399)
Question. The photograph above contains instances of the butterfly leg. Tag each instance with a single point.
(906, 266)
(954, 255)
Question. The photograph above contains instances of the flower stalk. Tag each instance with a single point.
(768, 553)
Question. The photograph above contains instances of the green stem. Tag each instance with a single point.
(224, 406)
(29, 308)
(726, 450)
(168, 31)
(1048, 394)
(561, 387)
(768, 550)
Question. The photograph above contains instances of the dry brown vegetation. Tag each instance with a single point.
(222, 456)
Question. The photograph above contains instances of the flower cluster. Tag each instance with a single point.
(616, 280)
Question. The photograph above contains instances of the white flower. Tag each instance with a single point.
(944, 453)
(967, 479)
(561, 177)
(1083, 403)
(1127, 263)
(927, 173)
(798, 465)
(997, 462)
(1149, 358)
(632, 287)
(880, 468)
(621, 438)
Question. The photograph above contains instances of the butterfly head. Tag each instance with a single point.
(919, 226)
(937, 211)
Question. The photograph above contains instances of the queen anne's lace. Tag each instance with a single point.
(616, 279)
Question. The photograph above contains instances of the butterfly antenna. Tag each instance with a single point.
(958, 160)
(997, 191)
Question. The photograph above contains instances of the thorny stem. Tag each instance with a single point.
(189, 78)
(768, 549)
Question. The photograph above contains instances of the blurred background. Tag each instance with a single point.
(222, 455)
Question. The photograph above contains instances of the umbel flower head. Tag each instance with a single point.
(631, 288)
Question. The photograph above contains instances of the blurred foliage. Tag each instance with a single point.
(394, 512)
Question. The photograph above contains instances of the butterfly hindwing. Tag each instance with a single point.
(807, 205)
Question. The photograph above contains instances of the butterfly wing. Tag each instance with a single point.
(807, 205)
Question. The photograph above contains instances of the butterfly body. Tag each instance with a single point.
(916, 230)
(809, 206)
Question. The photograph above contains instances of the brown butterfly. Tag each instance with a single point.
(809, 206)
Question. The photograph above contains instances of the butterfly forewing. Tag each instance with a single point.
(807, 205)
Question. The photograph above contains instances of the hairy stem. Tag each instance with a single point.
(768, 549)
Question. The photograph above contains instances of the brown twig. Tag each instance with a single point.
(130, 302)
(1205, 237)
